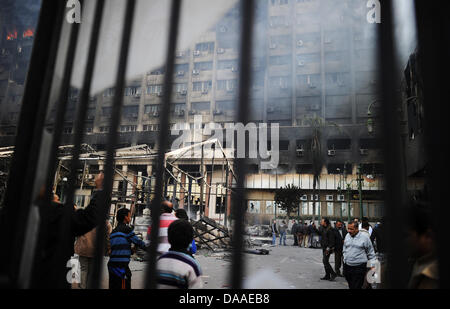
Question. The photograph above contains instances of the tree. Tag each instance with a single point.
(318, 157)
(288, 198)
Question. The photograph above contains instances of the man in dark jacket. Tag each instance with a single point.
(328, 242)
(340, 232)
(294, 231)
(59, 225)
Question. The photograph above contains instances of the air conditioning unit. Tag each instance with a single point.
(329, 198)
(134, 115)
(180, 113)
(218, 112)
(180, 73)
(205, 91)
(223, 29)
(159, 94)
(340, 198)
(314, 107)
(364, 152)
(90, 117)
(234, 69)
(230, 89)
(195, 72)
(331, 153)
(220, 51)
(155, 114)
(311, 85)
(301, 63)
(183, 92)
(273, 46)
(300, 152)
(304, 198)
(196, 53)
(300, 43)
(180, 54)
(314, 197)
(192, 112)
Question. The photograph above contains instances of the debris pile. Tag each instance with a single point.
(209, 234)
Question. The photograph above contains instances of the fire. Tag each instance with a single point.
(28, 33)
(11, 36)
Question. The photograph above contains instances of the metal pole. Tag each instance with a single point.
(105, 197)
(163, 140)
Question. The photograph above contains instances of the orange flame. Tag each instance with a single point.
(28, 33)
(11, 36)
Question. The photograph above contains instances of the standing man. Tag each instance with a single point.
(166, 218)
(340, 232)
(121, 239)
(274, 232)
(283, 228)
(358, 250)
(328, 243)
(306, 235)
(300, 233)
(85, 248)
(294, 231)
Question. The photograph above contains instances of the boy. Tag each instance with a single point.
(120, 239)
(177, 269)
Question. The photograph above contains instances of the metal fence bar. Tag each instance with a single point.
(105, 197)
(63, 97)
(434, 48)
(247, 15)
(163, 142)
(84, 99)
(395, 191)
(23, 165)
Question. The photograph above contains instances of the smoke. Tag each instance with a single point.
(149, 36)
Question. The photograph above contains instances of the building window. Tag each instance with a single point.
(128, 128)
(227, 65)
(203, 66)
(227, 85)
(110, 92)
(154, 89)
(132, 91)
(202, 86)
(205, 47)
(67, 130)
(104, 129)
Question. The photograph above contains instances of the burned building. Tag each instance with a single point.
(315, 62)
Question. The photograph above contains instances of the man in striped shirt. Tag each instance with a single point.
(166, 218)
(177, 269)
(121, 239)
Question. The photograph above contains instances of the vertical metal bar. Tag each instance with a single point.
(163, 141)
(31, 122)
(105, 197)
(395, 191)
(247, 15)
(434, 48)
(84, 98)
(63, 96)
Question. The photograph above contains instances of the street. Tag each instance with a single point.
(286, 267)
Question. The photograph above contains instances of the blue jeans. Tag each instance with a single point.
(274, 238)
(283, 237)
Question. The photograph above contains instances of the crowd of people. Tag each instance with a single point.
(355, 246)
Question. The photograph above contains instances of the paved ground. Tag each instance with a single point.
(285, 267)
